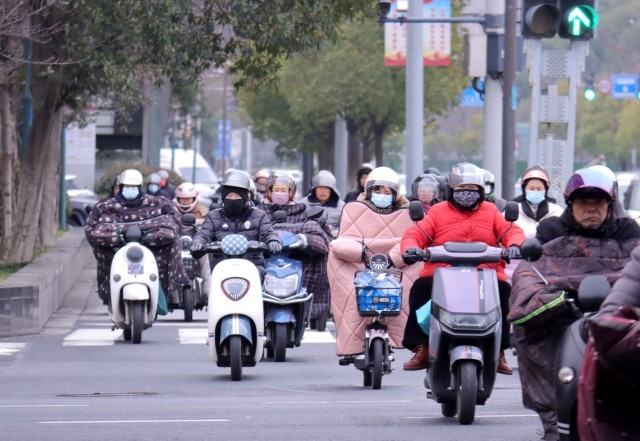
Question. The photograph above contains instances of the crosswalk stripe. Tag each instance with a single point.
(92, 337)
(193, 336)
(11, 348)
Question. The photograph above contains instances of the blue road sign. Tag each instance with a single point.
(471, 98)
(227, 134)
(624, 86)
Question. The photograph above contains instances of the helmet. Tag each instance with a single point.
(154, 178)
(264, 173)
(163, 174)
(252, 189)
(130, 177)
(466, 173)
(432, 171)
(186, 190)
(489, 183)
(382, 176)
(592, 182)
(425, 181)
(324, 178)
(282, 177)
(236, 179)
(536, 172)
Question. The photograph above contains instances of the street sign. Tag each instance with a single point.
(471, 98)
(624, 86)
(604, 86)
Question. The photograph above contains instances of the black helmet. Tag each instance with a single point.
(236, 181)
(466, 173)
(432, 171)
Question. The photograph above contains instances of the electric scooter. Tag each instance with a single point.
(236, 316)
(466, 324)
(134, 286)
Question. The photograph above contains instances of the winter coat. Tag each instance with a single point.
(529, 220)
(381, 233)
(540, 313)
(616, 228)
(445, 223)
(160, 234)
(314, 258)
(332, 208)
(626, 291)
(609, 386)
(252, 223)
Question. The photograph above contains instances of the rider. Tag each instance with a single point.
(236, 216)
(361, 178)
(534, 203)
(315, 238)
(425, 190)
(489, 190)
(260, 179)
(464, 218)
(166, 186)
(161, 232)
(154, 188)
(588, 238)
(324, 193)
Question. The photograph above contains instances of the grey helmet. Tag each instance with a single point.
(154, 178)
(466, 173)
(236, 179)
(324, 178)
(489, 184)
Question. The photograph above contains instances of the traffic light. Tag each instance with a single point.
(578, 19)
(540, 19)
(589, 89)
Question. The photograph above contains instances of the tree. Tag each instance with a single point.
(103, 51)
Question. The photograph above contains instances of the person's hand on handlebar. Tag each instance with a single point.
(274, 246)
(197, 250)
(413, 255)
(513, 252)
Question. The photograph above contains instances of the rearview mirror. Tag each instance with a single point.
(416, 212)
(280, 216)
(188, 220)
(511, 211)
(592, 292)
(531, 250)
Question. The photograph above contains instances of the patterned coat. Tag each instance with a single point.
(314, 258)
(540, 314)
(161, 233)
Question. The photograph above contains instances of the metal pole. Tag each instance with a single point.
(341, 154)
(223, 160)
(492, 147)
(508, 116)
(27, 101)
(249, 147)
(62, 203)
(173, 139)
(414, 95)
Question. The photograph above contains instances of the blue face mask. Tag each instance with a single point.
(381, 200)
(535, 197)
(130, 193)
(153, 188)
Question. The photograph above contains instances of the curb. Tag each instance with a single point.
(32, 295)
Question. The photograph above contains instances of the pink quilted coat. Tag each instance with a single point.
(382, 234)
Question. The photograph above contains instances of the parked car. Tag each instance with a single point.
(81, 200)
(631, 196)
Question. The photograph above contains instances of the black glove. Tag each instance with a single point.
(196, 250)
(274, 247)
(513, 252)
(413, 255)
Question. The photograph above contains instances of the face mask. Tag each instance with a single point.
(381, 200)
(233, 206)
(535, 197)
(280, 198)
(465, 199)
(153, 188)
(130, 193)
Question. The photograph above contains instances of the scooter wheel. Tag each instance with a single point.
(187, 304)
(126, 334)
(321, 321)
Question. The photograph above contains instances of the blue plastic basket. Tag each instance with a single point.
(379, 301)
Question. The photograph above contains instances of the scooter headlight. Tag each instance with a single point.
(135, 254)
(469, 322)
(281, 287)
(566, 374)
(185, 243)
(235, 287)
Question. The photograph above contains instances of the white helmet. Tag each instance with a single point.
(382, 176)
(186, 190)
(130, 177)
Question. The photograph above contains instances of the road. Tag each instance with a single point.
(78, 380)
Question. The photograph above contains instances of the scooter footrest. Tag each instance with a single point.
(344, 361)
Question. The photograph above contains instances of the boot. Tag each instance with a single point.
(420, 359)
(503, 367)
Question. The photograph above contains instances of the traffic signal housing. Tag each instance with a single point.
(589, 88)
(540, 19)
(578, 19)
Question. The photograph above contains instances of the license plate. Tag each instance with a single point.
(136, 269)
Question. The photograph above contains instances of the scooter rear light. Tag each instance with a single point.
(235, 287)
(566, 374)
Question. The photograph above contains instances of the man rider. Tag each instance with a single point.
(236, 216)
(588, 238)
(154, 186)
(160, 227)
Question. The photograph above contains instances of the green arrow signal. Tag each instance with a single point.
(581, 19)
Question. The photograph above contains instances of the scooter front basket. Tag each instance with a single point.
(378, 294)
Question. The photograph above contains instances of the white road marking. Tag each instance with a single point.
(318, 337)
(134, 421)
(11, 348)
(92, 337)
(339, 402)
(192, 336)
(13, 406)
(477, 416)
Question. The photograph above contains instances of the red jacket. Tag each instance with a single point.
(445, 223)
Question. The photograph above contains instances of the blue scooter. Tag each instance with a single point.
(286, 301)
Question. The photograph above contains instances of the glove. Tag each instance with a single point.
(304, 243)
(196, 250)
(274, 247)
(413, 255)
(513, 252)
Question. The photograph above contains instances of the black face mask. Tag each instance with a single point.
(466, 200)
(233, 207)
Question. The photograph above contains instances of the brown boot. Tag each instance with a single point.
(503, 367)
(420, 359)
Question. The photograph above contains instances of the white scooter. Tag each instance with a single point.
(236, 316)
(134, 286)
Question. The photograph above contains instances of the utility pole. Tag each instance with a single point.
(414, 94)
(341, 155)
(508, 112)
